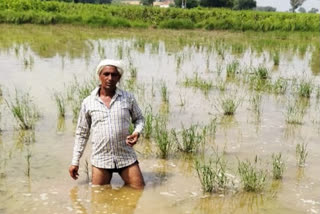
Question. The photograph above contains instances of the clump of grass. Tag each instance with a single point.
(229, 105)
(304, 88)
(77, 92)
(23, 109)
(212, 174)
(197, 82)
(132, 70)
(211, 128)
(258, 80)
(278, 166)
(252, 178)
(162, 137)
(164, 92)
(232, 69)
(276, 58)
(148, 123)
(261, 73)
(279, 86)
(295, 113)
(189, 140)
(256, 103)
(301, 154)
(61, 103)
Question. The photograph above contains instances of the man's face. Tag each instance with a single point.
(109, 77)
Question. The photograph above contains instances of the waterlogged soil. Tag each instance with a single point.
(43, 59)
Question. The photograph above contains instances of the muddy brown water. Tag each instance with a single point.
(33, 164)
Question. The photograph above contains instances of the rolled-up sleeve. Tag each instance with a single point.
(137, 116)
(81, 135)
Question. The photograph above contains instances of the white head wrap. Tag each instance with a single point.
(116, 63)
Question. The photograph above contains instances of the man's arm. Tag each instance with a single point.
(138, 122)
(81, 138)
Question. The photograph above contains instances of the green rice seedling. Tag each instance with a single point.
(120, 51)
(229, 105)
(301, 154)
(232, 69)
(221, 85)
(197, 82)
(190, 139)
(256, 105)
(162, 137)
(206, 175)
(61, 104)
(261, 73)
(279, 86)
(132, 70)
(211, 128)
(305, 88)
(148, 123)
(252, 178)
(77, 92)
(276, 58)
(295, 113)
(182, 100)
(278, 166)
(212, 174)
(164, 92)
(23, 110)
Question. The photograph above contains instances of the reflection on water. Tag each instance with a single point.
(104, 199)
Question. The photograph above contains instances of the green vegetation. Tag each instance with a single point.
(77, 92)
(295, 112)
(301, 154)
(252, 178)
(232, 69)
(147, 132)
(197, 82)
(227, 104)
(162, 137)
(305, 88)
(61, 103)
(23, 109)
(190, 139)
(164, 92)
(212, 174)
(278, 166)
(53, 12)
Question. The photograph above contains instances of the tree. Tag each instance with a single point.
(216, 3)
(187, 3)
(146, 2)
(295, 4)
(244, 4)
(266, 8)
(302, 10)
(313, 10)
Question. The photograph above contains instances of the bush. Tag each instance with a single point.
(177, 24)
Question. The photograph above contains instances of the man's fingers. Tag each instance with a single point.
(73, 171)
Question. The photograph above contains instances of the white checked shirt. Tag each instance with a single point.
(109, 128)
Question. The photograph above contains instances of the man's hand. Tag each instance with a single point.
(73, 170)
(132, 139)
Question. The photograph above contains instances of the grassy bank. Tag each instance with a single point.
(51, 12)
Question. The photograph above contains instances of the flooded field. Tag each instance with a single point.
(239, 96)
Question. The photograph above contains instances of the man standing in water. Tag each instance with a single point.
(108, 112)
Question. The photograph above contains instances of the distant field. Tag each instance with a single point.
(51, 12)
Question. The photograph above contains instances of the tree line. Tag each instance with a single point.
(232, 4)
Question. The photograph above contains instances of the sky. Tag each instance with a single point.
(284, 5)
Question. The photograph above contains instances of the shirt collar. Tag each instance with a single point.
(95, 92)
